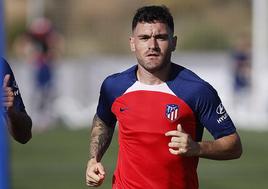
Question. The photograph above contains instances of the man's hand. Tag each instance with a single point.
(181, 143)
(95, 173)
(8, 95)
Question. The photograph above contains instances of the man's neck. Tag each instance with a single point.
(154, 78)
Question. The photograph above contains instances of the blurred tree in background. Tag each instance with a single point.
(91, 27)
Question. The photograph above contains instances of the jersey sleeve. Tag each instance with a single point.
(106, 99)
(6, 69)
(212, 114)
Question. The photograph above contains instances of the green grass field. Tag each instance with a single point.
(57, 158)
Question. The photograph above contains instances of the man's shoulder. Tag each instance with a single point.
(190, 82)
(2, 60)
(4, 63)
(119, 82)
(125, 76)
(6, 69)
(186, 75)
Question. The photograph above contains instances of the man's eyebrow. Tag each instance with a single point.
(157, 35)
(143, 35)
(162, 35)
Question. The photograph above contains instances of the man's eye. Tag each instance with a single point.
(162, 38)
(144, 38)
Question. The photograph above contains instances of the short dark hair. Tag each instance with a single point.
(152, 14)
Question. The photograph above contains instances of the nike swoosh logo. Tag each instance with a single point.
(123, 109)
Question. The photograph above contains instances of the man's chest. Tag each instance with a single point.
(151, 111)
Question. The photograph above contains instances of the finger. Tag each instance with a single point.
(7, 95)
(93, 183)
(100, 169)
(6, 80)
(178, 142)
(101, 176)
(177, 132)
(174, 152)
(92, 180)
(93, 177)
(178, 139)
(7, 92)
(98, 172)
(90, 183)
(179, 151)
(8, 100)
(173, 145)
(173, 133)
(179, 128)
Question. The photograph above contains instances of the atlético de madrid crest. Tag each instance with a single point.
(172, 112)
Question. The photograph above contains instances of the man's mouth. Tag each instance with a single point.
(153, 55)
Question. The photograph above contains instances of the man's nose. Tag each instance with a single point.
(153, 44)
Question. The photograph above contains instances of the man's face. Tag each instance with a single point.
(153, 44)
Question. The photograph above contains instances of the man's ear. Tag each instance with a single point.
(174, 43)
(132, 45)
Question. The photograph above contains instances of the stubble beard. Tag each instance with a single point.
(154, 67)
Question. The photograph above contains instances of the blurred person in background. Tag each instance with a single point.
(241, 64)
(18, 122)
(161, 109)
(42, 44)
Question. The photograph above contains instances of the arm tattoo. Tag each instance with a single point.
(101, 136)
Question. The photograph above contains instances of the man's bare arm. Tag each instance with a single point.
(101, 136)
(225, 148)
